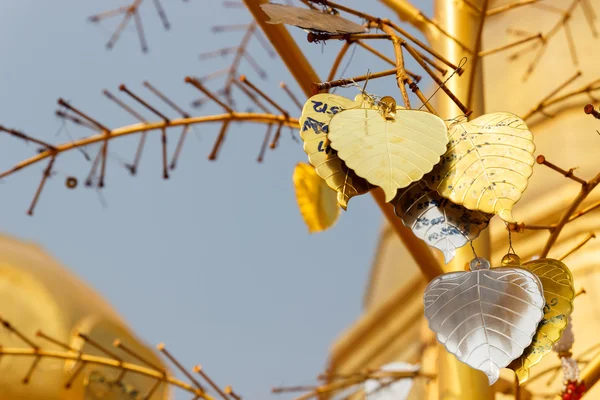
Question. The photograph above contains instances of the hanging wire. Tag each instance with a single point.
(63, 128)
(473, 249)
(347, 64)
(462, 63)
(511, 250)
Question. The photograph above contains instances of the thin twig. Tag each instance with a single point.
(401, 76)
(584, 192)
(578, 246)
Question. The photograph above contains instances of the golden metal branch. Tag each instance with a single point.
(104, 361)
(325, 86)
(219, 142)
(338, 60)
(194, 82)
(111, 360)
(382, 56)
(161, 347)
(229, 391)
(567, 174)
(509, 6)
(475, 61)
(263, 147)
(466, 111)
(163, 126)
(520, 227)
(423, 46)
(262, 94)
(314, 37)
(401, 76)
(579, 246)
(199, 371)
(510, 45)
(591, 373)
(73, 119)
(429, 61)
(347, 381)
(544, 102)
(137, 128)
(562, 23)
(240, 53)
(580, 360)
(549, 101)
(584, 192)
(388, 27)
(130, 12)
(472, 6)
(286, 47)
(379, 23)
(302, 71)
(291, 95)
(420, 252)
(407, 12)
(26, 138)
(589, 109)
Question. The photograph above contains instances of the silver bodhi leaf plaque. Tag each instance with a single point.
(485, 317)
(438, 221)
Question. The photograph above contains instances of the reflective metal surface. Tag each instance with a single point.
(437, 221)
(317, 201)
(389, 153)
(314, 127)
(559, 293)
(486, 317)
(487, 165)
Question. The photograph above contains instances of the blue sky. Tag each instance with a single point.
(215, 262)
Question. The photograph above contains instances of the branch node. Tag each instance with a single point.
(194, 82)
(568, 174)
(589, 109)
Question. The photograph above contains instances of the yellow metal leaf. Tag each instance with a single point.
(316, 201)
(389, 153)
(559, 293)
(487, 165)
(316, 114)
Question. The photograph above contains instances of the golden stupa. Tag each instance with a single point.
(39, 294)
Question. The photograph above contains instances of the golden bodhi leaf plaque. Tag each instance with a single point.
(316, 201)
(487, 164)
(438, 221)
(314, 127)
(388, 152)
(559, 293)
(486, 317)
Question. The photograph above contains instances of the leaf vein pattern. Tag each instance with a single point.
(510, 295)
(450, 300)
